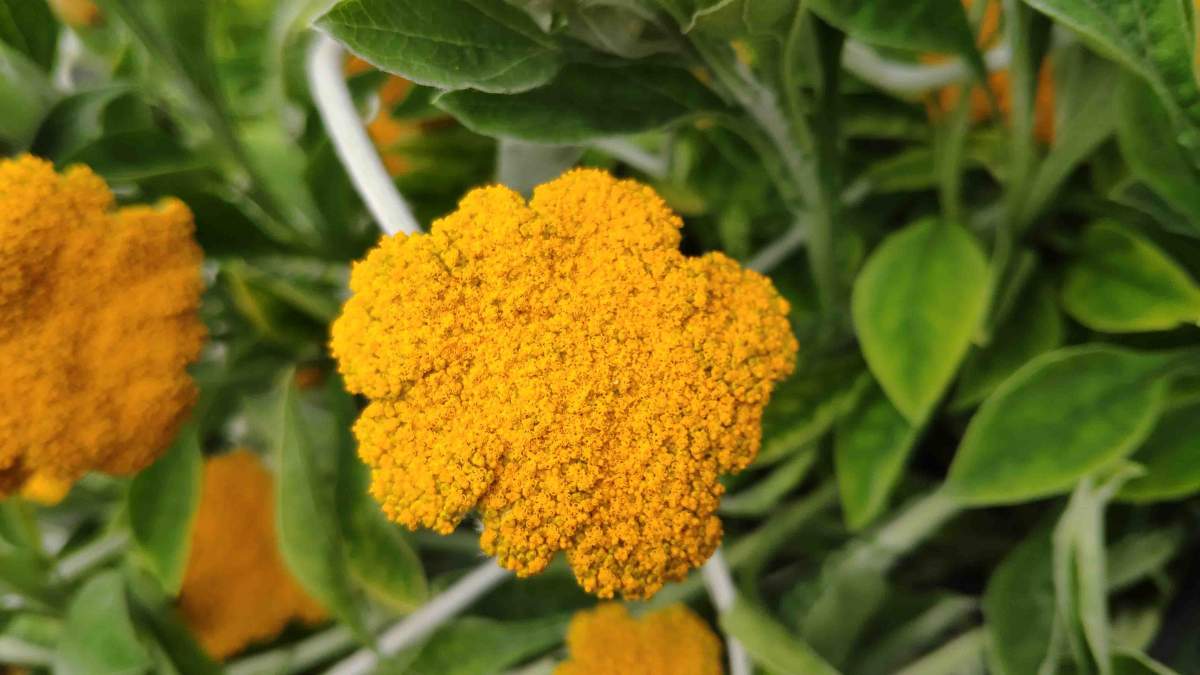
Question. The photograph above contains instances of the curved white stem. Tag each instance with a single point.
(351, 141)
(720, 588)
(908, 79)
(418, 625)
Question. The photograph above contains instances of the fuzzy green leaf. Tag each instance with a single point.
(1060, 417)
(770, 644)
(1121, 282)
(28, 27)
(487, 45)
(585, 102)
(916, 304)
(871, 445)
(1170, 459)
(99, 638)
(162, 507)
(1018, 605)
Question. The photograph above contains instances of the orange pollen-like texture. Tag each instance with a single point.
(98, 322)
(671, 641)
(562, 368)
(236, 590)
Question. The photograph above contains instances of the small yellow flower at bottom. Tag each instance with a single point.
(236, 589)
(670, 641)
(98, 323)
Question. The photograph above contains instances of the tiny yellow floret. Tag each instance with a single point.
(236, 589)
(671, 641)
(77, 13)
(560, 367)
(98, 323)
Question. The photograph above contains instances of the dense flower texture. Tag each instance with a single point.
(236, 590)
(671, 641)
(562, 368)
(98, 322)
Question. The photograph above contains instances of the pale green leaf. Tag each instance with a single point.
(1120, 282)
(1171, 457)
(1060, 417)
(487, 45)
(162, 507)
(871, 445)
(770, 644)
(916, 305)
(99, 638)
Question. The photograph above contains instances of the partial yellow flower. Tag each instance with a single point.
(45, 490)
(236, 589)
(98, 323)
(560, 367)
(671, 641)
(77, 13)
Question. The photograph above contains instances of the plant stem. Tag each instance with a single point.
(17, 652)
(351, 142)
(425, 620)
(92, 555)
(723, 594)
(963, 654)
(298, 657)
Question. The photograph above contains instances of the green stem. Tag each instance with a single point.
(299, 657)
(963, 654)
(94, 554)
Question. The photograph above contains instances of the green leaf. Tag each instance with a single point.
(804, 406)
(1129, 662)
(1060, 417)
(1170, 459)
(310, 538)
(871, 445)
(1120, 282)
(770, 644)
(1151, 37)
(1080, 576)
(762, 498)
(1150, 145)
(585, 101)
(916, 304)
(1034, 327)
(916, 25)
(28, 27)
(378, 555)
(476, 646)
(99, 637)
(25, 95)
(487, 45)
(162, 507)
(1019, 609)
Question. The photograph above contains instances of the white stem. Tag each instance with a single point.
(428, 618)
(720, 588)
(17, 652)
(908, 79)
(351, 141)
(96, 553)
(777, 251)
(651, 164)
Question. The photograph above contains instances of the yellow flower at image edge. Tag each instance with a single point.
(671, 641)
(560, 367)
(236, 589)
(98, 323)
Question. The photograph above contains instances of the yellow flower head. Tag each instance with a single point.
(562, 368)
(98, 322)
(236, 589)
(671, 641)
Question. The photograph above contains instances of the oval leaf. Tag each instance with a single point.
(770, 644)
(1171, 457)
(306, 503)
(487, 45)
(1019, 607)
(99, 637)
(1057, 419)
(1122, 283)
(585, 102)
(162, 507)
(916, 304)
(871, 445)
